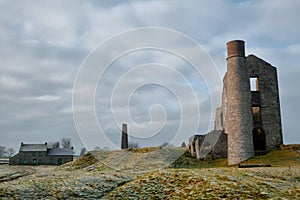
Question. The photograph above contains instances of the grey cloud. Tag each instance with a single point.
(43, 44)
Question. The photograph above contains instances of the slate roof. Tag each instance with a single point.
(60, 152)
(33, 147)
(43, 147)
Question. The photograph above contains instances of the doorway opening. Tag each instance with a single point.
(259, 141)
(59, 162)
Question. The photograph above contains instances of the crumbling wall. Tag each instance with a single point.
(244, 115)
(267, 98)
(221, 148)
(195, 143)
(219, 121)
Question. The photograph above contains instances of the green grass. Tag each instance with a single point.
(283, 157)
(286, 156)
(143, 150)
(189, 162)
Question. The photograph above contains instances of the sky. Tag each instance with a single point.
(51, 56)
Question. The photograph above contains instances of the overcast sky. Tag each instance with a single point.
(44, 43)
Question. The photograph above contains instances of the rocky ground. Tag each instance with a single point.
(87, 178)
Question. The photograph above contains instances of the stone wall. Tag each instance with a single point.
(14, 160)
(195, 143)
(219, 121)
(214, 145)
(267, 98)
(39, 158)
(244, 115)
(209, 146)
(224, 102)
(221, 148)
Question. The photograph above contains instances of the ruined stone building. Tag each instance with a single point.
(248, 122)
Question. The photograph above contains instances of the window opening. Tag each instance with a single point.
(222, 120)
(256, 112)
(254, 84)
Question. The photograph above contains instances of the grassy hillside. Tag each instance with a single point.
(285, 156)
(190, 178)
(215, 183)
(130, 160)
(148, 173)
(149, 158)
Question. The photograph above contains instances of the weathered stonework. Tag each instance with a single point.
(40, 154)
(219, 122)
(267, 98)
(250, 116)
(210, 146)
(195, 143)
(239, 115)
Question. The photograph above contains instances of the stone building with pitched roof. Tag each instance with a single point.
(40, 154)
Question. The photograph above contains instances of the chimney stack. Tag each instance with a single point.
(124, 139)
(238, 112)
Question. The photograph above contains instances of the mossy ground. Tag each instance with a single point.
(186, 178)
(285, 156)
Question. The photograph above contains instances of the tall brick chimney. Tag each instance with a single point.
(236, 48)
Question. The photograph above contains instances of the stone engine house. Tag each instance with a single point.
(250, 112)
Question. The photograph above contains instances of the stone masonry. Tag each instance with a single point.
(238, 116)
(267, 99)
(250, 110)
(40, 154)
(124, 139)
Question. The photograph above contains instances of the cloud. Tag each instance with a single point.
(43, 44)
